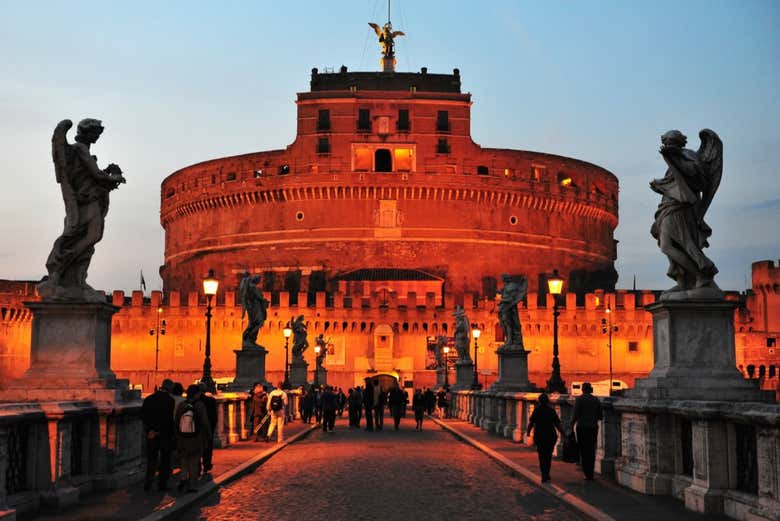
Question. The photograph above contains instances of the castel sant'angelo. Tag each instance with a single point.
(379, 219)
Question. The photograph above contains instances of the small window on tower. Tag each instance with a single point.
(442, 147)
(633, 347)
(443, 121)
(771, 341)
(362, 159)
(323, 146)
(483, 170)
(323, 120)
(537, 172)
(404, 125)
(403, 159)
(364, 120)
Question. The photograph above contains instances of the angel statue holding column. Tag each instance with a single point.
(254, 305)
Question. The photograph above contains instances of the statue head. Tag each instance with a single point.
(459, 312)
(89, 130)
(506, 277)
(674, 138)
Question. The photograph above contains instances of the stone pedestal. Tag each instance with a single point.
(512, 371)
(299, 372)
(693, 344)
(250, 368)
(440, 378)
(70, 356)
(322, 376)
(464, 375)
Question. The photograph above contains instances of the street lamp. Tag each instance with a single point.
(156, 332)
(607, 327)
(446, 367)
(210, 285)
(287, 333)
(475, 333)
(555, 383)
(317, 350)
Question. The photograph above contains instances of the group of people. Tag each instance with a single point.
(544, 423)
(267, 412)
(178, 425)
(320, 401)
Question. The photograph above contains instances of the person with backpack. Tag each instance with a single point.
(277, 406)
(211, 412)
(192, 434)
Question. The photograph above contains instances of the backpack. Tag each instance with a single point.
(276, 402)
(187, 423)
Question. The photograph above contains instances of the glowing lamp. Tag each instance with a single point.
(555, 283)
(446, 350)
(317, 349)
(210, 284)
(287, 332)
(475, 333)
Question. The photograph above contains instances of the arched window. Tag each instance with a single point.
(383, 160)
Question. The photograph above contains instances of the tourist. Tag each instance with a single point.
(418, 405)
(441, 403)
(380, 399)
(318, 404)
(307, 405)
(259, 411)
(544, 421)
(354, 399)
(178, 395)
(368, 405)
(192, 434)
(277, 404)
(430, 400)
(329, 407)
(342, 401)
(587, 413)
(395, 399)
(211, 413)
(157, 416)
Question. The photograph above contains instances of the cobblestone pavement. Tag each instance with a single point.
(388, 475)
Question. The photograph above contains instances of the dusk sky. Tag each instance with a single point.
(177, 83)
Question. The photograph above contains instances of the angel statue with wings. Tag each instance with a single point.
(254, 305)
(386, 36)
(323, 345)
(687, 190)
(299, 342)
(512, 294)
(85, 188)
(462, 332)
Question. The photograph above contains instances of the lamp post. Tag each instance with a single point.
(446, 366)
(555, 383)
(475, 384)
(287, 333)
(607, 327)
(210, 285)
(317, 349)
(157, 331)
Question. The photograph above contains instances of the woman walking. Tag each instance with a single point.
(544, 422)
(419, 406)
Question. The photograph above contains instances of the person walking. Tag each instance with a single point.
(329, 407)
(380, 400)
(368, 405)
(211, 413)
(395, 399)
(342, 401)
(430, 400)
(441, 403)
(544, 422)
(178, 395)
(259, 409)
(354, 401)
(307, 405)
(318, 404)
(192, 434)
(277, 404)
(587, 414)
(418, 405)
(157, 416)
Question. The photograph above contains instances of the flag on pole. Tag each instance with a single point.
(143, 282)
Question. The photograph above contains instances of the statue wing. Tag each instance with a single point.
(710, 156)
(242, 294)
(62, 155)
(397, 33)
(377, 29)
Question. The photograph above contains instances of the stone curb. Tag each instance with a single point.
(184, 502)
(567, 497)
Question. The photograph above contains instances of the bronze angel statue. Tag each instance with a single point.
(299, 330)
(323, 345)
(85, 188)
(512, 294)
(254, 305)
(386, 38)
(687, 191)
(462, 332)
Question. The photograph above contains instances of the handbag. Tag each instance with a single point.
(571, 450)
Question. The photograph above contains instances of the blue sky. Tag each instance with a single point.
(179, 82)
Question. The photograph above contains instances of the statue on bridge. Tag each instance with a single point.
(323, 345)
(512, 294)
(299, 342)
(254, 305)
(438, 350)
(687, 190)
(85, 188)
(462, 332)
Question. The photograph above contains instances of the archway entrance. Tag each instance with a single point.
(383, 161)
(386, 380)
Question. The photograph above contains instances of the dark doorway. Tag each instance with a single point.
(383, 161)
(386, 381)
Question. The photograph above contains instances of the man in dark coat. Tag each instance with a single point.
(329, 406)
(211, 412)
(354, 402)
(368, 404)
(157, 415)
(259, 410)
(396, 399)
(544, 421)
(587, 414)
(380, 401)
(430, 400)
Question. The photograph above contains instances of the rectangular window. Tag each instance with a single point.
(323, 146)
(442, 147)
(537, 172)
(231, 177)
(362, 159)
(323, 120)
(364, 120)
(771, 341)
(443, 121)
(284, 169)
(483, 170)
(633, 347)
(403, 124)
(403, 159)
